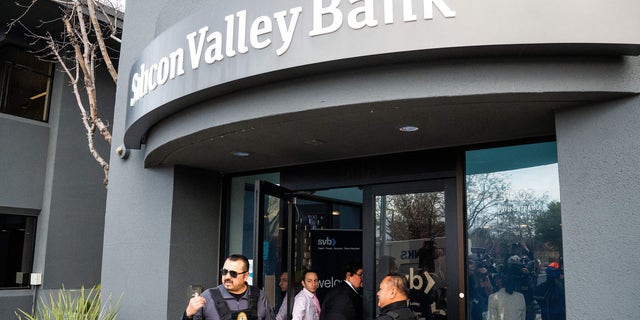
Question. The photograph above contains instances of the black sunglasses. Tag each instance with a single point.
(234, 274)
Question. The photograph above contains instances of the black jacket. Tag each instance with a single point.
(396, 311)
(341, 303)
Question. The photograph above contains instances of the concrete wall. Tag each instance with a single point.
(137, 236)
(74, 195)
(158, 237)
(194, 247)
(598, 162)
(24, 146)
(11, 300)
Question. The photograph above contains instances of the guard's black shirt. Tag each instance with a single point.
(396, 311)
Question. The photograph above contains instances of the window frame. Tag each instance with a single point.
(8, 65)
(27, 249)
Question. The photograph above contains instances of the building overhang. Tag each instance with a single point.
(245, 44)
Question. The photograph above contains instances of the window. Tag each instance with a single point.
(514, 233)
(25, 82)
(17, 240)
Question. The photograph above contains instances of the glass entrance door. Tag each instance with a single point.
(413, 231)
(272, 240)
(299, 231)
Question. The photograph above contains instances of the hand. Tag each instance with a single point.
(195, 304)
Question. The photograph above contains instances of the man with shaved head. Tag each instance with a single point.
(393, 298)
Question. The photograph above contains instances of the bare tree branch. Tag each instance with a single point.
(78, 52)
(100, 38)
(15, 21)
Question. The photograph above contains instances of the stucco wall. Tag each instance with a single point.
(24, 145)
(138, 244)
(11, 300)
(598, 162)
(194, 247)
(75, 196)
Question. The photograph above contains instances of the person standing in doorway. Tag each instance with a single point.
(306, 305)
(344, 301)
(393, 298)
(233, 299)
(427, 256)
(284, 283)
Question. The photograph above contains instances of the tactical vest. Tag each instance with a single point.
(225, 313)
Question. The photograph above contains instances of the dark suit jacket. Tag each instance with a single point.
(341, 303)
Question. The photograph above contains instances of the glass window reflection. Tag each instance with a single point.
(514, 233)
(410, 240)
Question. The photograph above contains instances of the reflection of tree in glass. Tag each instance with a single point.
(485, 193)
(549, 227)
(415, 216)
(515, 220)
(498, 216)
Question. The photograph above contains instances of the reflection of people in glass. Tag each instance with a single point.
(284, 283)
(386, 265)
(344, 301)
(427, 256)
(550, 294)
(520, 268)
(480, 287)
(422, 294)
(507, 304)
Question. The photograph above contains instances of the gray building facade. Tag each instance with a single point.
(216, 94)
(469, 73)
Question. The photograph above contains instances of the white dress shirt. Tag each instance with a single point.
(282, 312)
(304, 307)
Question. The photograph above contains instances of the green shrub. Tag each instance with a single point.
(73, 305)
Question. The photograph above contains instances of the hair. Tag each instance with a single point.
(510, 283)
(352, 268)
(304, 274)
(400, 282)
(236, 257)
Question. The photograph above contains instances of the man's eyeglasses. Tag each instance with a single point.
(358, 274)
(234, 274)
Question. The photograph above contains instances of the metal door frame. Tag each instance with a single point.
(454, 238)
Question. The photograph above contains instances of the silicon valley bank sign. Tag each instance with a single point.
(205, 51)
(240, 36)
(238, 44)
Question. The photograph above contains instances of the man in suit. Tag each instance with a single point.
(344, 301)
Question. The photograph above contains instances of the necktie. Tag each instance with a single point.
(317, 303)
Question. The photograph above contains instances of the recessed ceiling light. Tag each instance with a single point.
(240, 154)
(408, 128)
